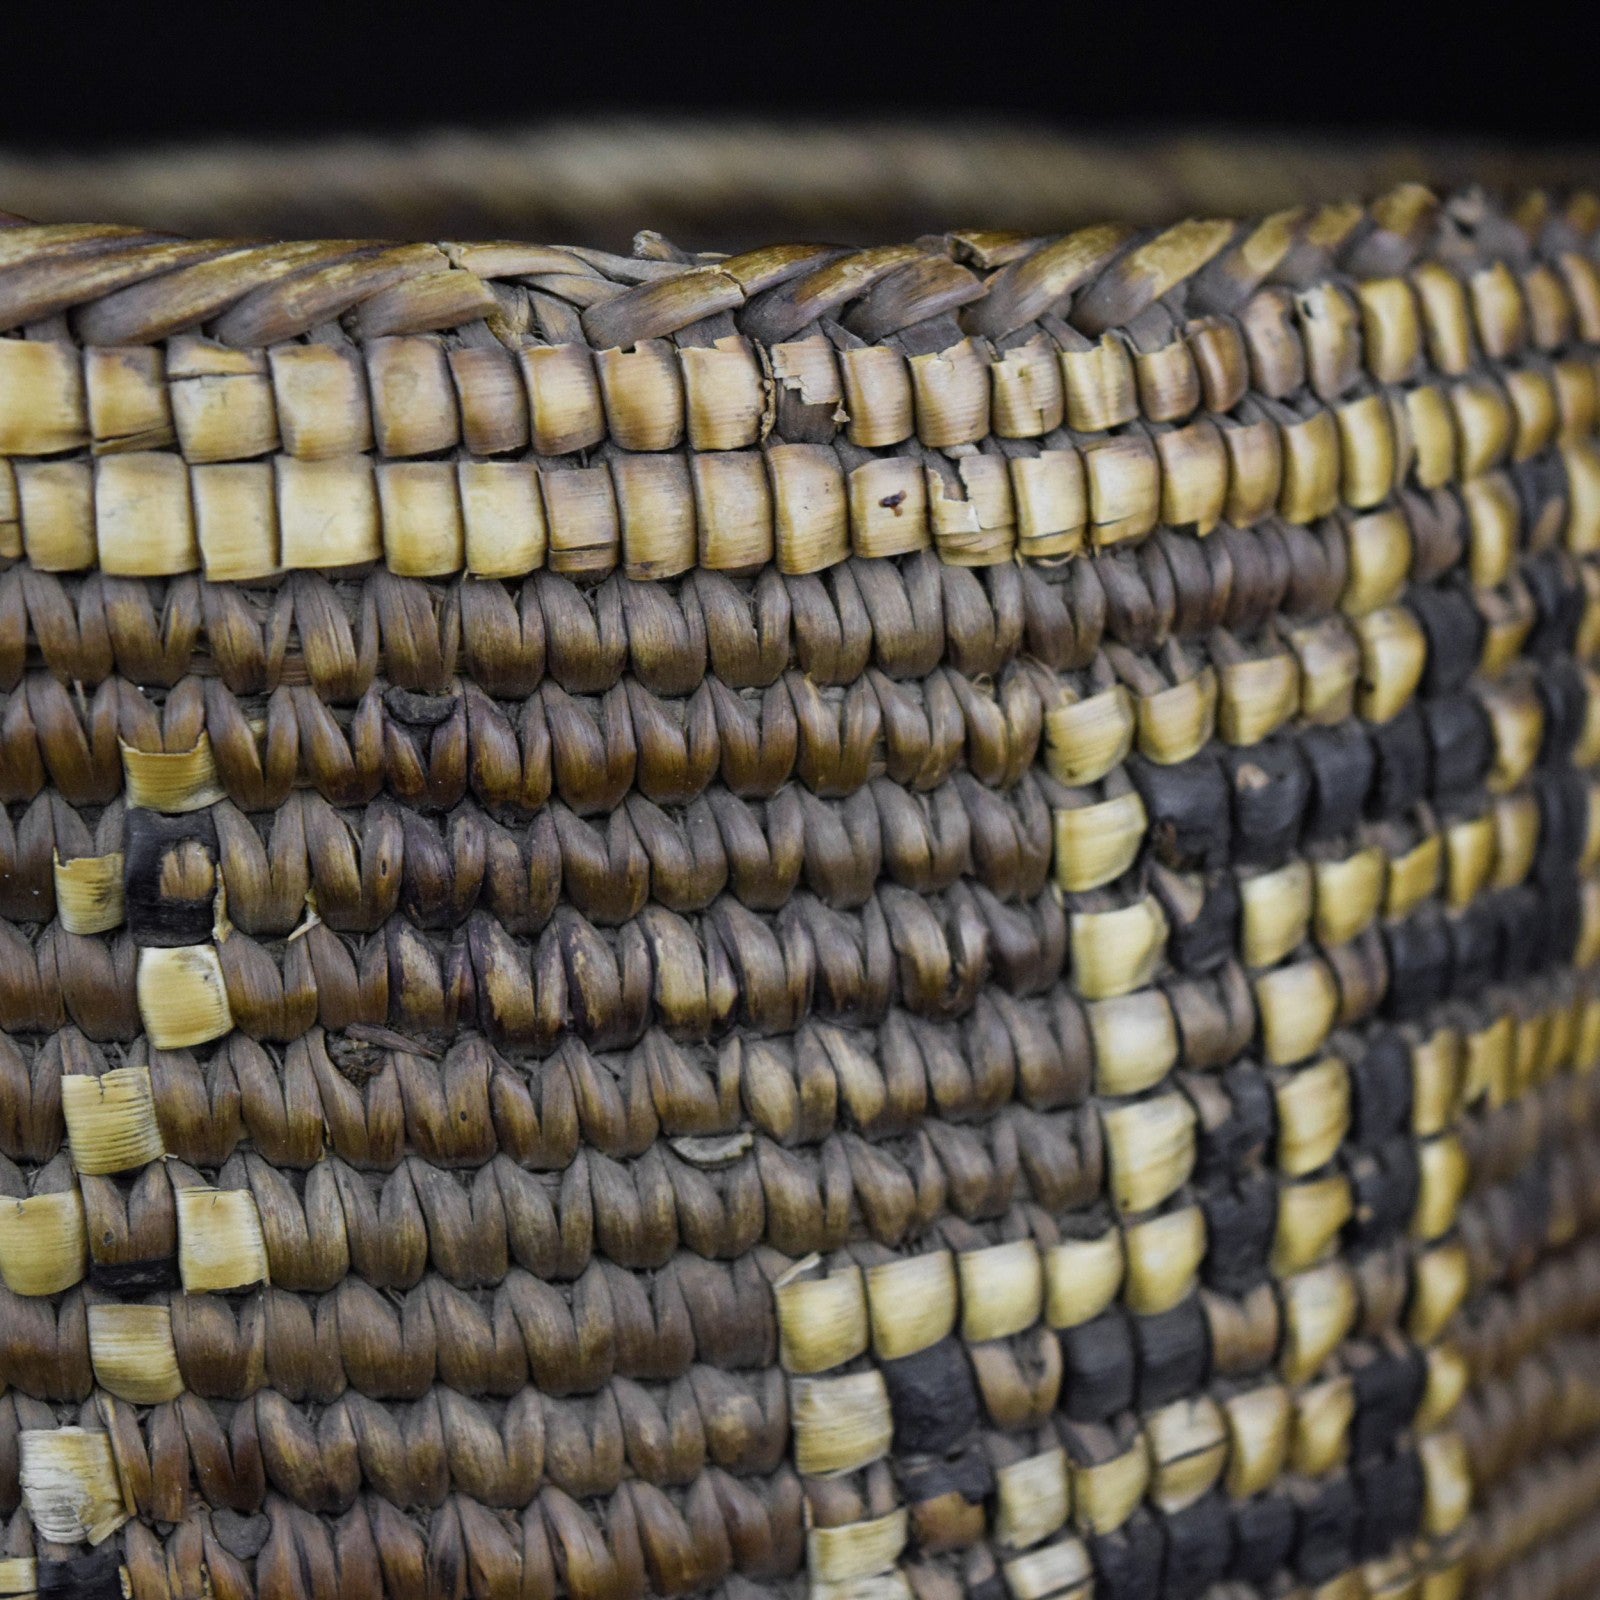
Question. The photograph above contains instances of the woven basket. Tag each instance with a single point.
(860, 923)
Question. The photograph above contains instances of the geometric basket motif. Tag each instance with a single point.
(883, 924)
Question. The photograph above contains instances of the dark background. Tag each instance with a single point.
(78, 77)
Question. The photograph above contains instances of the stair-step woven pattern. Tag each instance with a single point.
(873, 924)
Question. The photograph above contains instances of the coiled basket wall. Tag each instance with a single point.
(874, 924)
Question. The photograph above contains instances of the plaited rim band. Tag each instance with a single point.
(499, 408)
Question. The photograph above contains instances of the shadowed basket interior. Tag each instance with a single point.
(876, 923)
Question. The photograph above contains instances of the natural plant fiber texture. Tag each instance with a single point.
(734, 183)
(866, 923)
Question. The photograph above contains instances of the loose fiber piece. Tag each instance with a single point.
(887, 921)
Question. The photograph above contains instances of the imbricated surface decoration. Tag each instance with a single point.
(864, 924)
